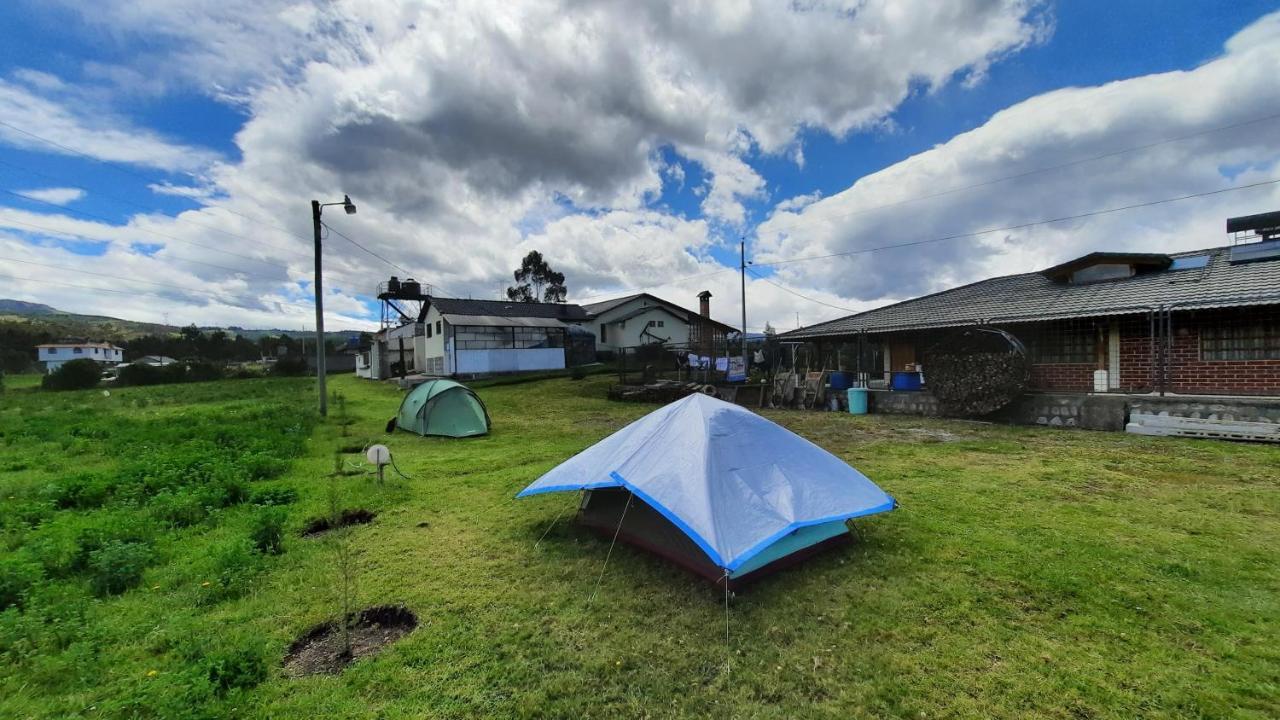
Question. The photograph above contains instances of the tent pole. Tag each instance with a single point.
(728, 649)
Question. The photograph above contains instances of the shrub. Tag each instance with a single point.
(273, 496)
(578, 372)
(268, 530)
(81, 491)
(17, 575)
(235, 668)
(149, 375)
(201, 371)
(117, 566)
(228, 570)
(290, 366)
(79, 374)
(179, 509)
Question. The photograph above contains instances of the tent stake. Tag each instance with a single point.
(609, 554)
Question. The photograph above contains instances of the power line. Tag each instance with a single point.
(676, 281)
(56, 231)
(126, 201)
(1047, 168)
(362, 247)
(109, 222)
(128, 171)
(1020, 226)
(784, 288)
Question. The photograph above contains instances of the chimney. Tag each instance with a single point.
(704, 303)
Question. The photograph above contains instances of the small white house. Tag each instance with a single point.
(642, 319)
(53, 355)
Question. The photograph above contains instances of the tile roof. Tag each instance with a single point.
(1033, 296)
(597, 309)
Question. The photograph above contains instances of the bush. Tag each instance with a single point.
(268, 530)
(117, 566)
(179, 509)
(235, 668)
(80, 492)
(17, 575)
(201, 371)
(79, 374)
(273, 496)
(290, 366)
(149, 375)
(228, 570)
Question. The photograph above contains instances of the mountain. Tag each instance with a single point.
(100, 327)
(22, 307)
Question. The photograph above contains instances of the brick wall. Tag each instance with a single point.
(1188, 372)
(1067, 377)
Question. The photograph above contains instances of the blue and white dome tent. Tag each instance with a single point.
(717, 489)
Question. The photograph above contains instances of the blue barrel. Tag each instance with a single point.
(841, 380)
(857, 401)
(906, 381)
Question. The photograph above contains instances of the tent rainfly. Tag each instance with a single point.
(716, 489)
(442, 407)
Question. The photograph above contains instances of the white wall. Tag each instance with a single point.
(509, 360)
(53, 358)
(435, 349)
(628, 333)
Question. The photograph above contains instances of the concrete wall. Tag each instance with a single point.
(1108, 411)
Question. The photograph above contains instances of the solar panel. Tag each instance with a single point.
(1189, 263)
(1255, 252)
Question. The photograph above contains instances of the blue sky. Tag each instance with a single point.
(624, 185)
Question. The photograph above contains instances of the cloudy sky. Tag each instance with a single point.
(158, 157)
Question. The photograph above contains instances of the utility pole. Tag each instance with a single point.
(324, 400)
(742, 268)
(316, 207)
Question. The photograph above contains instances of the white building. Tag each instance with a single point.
(53, 355)
(642, 318)
(453, 336)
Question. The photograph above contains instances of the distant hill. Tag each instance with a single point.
(100, 327)
(22, 307)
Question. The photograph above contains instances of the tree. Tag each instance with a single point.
(535, 280)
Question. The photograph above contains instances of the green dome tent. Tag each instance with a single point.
(443, 407)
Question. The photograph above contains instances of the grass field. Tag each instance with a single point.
(1028, 572)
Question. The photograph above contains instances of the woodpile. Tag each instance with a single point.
(969, 384)
(662, 391)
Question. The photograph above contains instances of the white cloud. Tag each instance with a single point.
(47, 108)
(913, 199)
(54, 195)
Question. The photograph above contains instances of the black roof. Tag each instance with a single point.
(1034, 296)
(595, 310)
(504, 308)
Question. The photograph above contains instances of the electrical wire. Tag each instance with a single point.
(1020, 226)
(140, 206)
(127, 171)
(110, 223)
(1045, 169)
(784, 288)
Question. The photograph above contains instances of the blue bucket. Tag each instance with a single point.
(841, 380)
(906, 381)
(857, 401)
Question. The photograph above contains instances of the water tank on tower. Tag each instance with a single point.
(410, 287)
(393, 285)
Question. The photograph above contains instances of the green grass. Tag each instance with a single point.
(1028, 573)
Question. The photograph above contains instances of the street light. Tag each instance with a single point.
(316, 207)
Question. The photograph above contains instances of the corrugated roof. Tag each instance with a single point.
(1032, 296)
(502, 321)
(505, 308)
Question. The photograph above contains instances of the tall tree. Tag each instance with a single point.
(535, 280)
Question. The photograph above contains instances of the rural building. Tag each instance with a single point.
(1205, 322)
(53, 355)
(642, 319)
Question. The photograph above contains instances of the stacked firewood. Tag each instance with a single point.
(972, 384)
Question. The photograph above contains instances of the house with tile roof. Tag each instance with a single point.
(1199, 322)
(642, 319)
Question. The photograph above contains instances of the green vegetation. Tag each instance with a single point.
(1028, 573)
(73, 375)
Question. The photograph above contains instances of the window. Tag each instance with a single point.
(661, 322)
(428, 329)
(53, 351)
(604, 332)
(475, 337)
(1063, 344)
(439, 327)
(1259, 341)
(95, 351)
(78, 351)
(652, 323)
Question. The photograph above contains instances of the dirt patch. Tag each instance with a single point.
(352, 449)
(319, 650)
(357, 516)
(933, 435)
